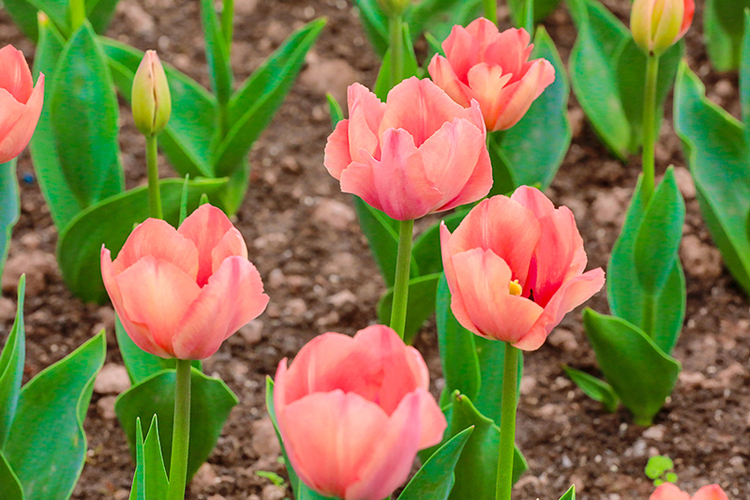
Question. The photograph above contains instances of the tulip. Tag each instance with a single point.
(659, 24)
(492, 68)
(20, 103)
(353, 412)
(415, 154)
(181, 292)
(669, 491)
(394, 8)
(514, 267)
(151, 100)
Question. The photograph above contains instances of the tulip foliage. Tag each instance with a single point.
(723, 28)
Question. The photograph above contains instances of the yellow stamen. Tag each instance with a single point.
(515, 288)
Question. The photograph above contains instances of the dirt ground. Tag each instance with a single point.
(303, 236)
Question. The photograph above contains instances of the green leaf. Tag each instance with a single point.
(491, 354)
(503, 179)
(110, 222)
(536, 146)
(9, 484)
(570, 494)
(409, 69)
(426, 248)
(9, 212)
(186, 141)
(334, 109)
(596, 389)
(434, 480)
(253, 106)
(211, 402)
(375, 25)
(659, 235)
(12, 359)
(420, 304)
(83, 93)
(382, 237)
(47, 445)
(658, 465)
(100, 13)
(217, 53)
(231, 196)
(723, 28)
(151, 475)
(717, 154)
(542, 9)
(745, 76)
(641, 374)
(439, 16)
(24, 15)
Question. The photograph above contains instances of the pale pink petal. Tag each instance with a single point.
(230, 245)
(516, 98)
(10, 112)
(669, 491)
(488, 82)
(432, 419)
(484, 31)
(16, 139)
(510, 50)
(444, 76)
(457, 302)
(479, 184)
(15, 76)
(534, 200)
(232, 298)
(363, 141)
(462, 50)
(337, 156)
(205, 227)
(710, 492)
(372, 107)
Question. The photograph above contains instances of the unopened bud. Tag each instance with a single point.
(151, 101)
(659, 24)
(393, 8)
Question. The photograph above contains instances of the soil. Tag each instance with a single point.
(303, 236)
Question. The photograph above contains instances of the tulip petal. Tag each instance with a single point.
(444, 76)
(205, 227)
(687, 20)
(10, 112)
(487, 82)
(516, 98)
(15, 76)
(710, 492)
(232, 244)
(337, 157)
(16, 139)
(232, 298)
(432, 419)
(510, 50)
(483, 31)
(669, 491)
(462, 49)
(372, 107)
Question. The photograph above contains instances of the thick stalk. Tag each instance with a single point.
(154, 196)
(227, 23)
(529, 24)
(649, 125)
(77, 13)
(401, 285)
(397, 49)
(181, 432)
(507, 425)
(490, 10)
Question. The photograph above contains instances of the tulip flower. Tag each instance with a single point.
(669, 491)
(20, 103)
(152, 102)
(353, 412)
(415, 154)
(514, 267)
(181, 292)
(492, 68)
(659, 24)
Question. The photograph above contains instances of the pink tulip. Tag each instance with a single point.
(494, 68)
(353, 412)
(20, 103)
(416, 154)
(659, 24)
(180, 293)
(669, 491)
(515, 268)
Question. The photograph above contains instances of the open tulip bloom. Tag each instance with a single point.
(669, 491)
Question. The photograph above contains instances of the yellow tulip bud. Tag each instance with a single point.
(151, 100)
(659, 24)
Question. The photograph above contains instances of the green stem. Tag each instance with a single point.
(154, 196)
(529, 24)
(490, 10)
(181, 432)
(507, 425)
(401, 285)
(397, 49)
(77, 14)
(649, 125)
(227, 23)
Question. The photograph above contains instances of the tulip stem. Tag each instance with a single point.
(649, 127)
(227, 23)
(401, 284)
(397, 49)
(77, 14)
(529, 24)
(154, 196)
(507, 425)
(490, 10)
(180, 432)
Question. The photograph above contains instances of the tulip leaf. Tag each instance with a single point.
(83, 93)
(253, 106)
(186, 140)
(211, 402)
(434, 480)
(109, 223)
(723, 29)
(717, 153)
(542, 9)
(410, 66)
(375, 25)
(382, 237)
(46, 446)
(426, 249)
(150, 480)
(12, 359)
(570, 494)
(9, 210)
(24, 15)
(439, 16)
(745, 77)
(503, 178)
(100, 13)
(641, 373)
(491, 355)
(9, 484)
(334, 109)
(217, 53)
(536, 146)
(420, 304)
(596, 389)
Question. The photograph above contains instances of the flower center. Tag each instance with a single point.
(515, 288)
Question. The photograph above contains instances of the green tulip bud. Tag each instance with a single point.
(394, 8)
(151, 101)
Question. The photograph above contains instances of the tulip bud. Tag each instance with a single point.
(659, 24)
(151, 101)
(394, 8)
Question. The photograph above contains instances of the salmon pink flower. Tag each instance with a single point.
(415, 154)
(180, 293)
(659, 24)
(353, 412)
(515, 268)
(494, 68)
(20, 103)
(669, 491)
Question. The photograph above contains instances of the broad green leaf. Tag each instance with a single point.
(491, 355)
(12, 359)
(231, 196)
(745, 77)
(9, 212)
(217, 53)
(434, 480)
(9, 485)
(420, 304)
(47, 445)
(375, 25)
(382, 237)
(409, 68)
(186, 141)
(535, 146)
(641, 374)
(253, 106)
(723, 28)
(83, 93)
(24, 16)
(570, 494)
(659, 235)
(503, 178)
(594, 77)
(140, 364)
(25, 13)
(542, 8)
(717, 154)
(211, 402)
(109, 223)
(100, 13)
(596, 389)
(426, 249)
(334, 109)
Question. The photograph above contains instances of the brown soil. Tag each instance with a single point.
(303, 236)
